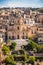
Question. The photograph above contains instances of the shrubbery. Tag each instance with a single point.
(5, 50)
(22, 54)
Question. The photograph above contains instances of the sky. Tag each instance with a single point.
(21, 3)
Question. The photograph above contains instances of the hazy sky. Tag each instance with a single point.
(21, 3)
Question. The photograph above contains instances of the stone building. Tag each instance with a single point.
(39, 23)
(17, 25)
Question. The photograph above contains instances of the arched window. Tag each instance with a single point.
(9, 37)
(17, 36)
(18, 28)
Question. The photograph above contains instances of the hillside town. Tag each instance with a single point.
(21, 36)
(20, 24)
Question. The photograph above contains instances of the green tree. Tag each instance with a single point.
(32, 59)
(40, 48)
(10, 60)
(32, 45)
(5, 50)
(13, 45)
